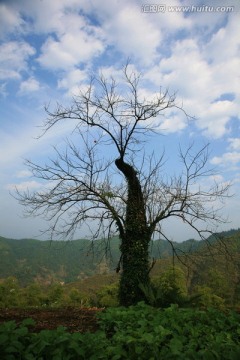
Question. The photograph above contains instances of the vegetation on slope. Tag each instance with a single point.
(31, 260)
(56, 274)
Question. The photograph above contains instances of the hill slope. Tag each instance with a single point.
(48, 261)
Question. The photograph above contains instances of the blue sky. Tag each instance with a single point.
(50, 48)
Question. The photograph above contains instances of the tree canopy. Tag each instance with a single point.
(105, 176)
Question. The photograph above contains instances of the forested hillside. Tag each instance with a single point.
(57, 273)
(31, 260)
(212, 271)
(48, 261)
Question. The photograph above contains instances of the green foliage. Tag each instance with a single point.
(10, 293)
(143, 332)
(108, 296)
(139, 332)
(76, 298)
(166, 289)
(219, 284)
(33, 295)
(55, 295)
(20, 343)
(206, 298)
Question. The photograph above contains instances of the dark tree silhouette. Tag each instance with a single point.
(107, 179)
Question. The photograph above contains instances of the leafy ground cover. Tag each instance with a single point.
(139, 332)
(72, 318)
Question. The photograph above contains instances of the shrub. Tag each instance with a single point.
(76, 298)
(108, 296)
(10, 294)
(205, 298)
(33, 295)
(166, 289)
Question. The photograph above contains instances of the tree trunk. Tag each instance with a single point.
(135, 241)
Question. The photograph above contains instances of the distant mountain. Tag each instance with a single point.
(48, 261)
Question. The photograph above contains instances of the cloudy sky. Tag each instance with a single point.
(50, 48)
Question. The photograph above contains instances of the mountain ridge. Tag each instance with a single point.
(47, 261)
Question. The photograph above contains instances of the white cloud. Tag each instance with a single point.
(216, 178)
(200, 79)
(234, 143)
(186, 72)
(23, 174)
(169, 22)
(131, 32)
(19, 138)
(45, 16)
(3, 91)
(30, 85)
(74, 40)
(10, 20)
(73, 80)
(26, 185)
(13, 60)
(229, 158)
(229, 36)
(18, 143)
(237, 179)
(69, 51)
(173, 124)
(215, 117)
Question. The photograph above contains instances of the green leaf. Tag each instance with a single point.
(28, 322)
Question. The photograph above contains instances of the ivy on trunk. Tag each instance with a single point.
(135, 240)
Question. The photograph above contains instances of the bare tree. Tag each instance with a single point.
(109, 180)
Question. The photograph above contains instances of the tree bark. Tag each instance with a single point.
(135, 241)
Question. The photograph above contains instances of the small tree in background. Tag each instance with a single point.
(105, 177)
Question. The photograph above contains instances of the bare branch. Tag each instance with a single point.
(110, 184)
